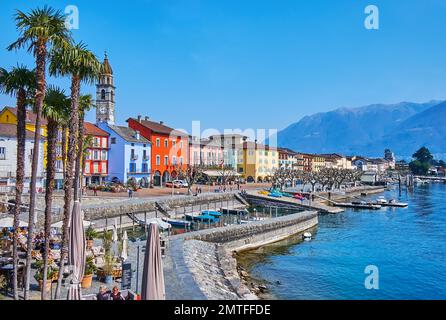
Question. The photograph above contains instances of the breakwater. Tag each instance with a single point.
(202, 264)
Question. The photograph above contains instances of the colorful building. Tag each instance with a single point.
(170, 148)
(8, 157)
(288, 159)
(257, 162)
(232, 145)
(96, 160)
(205, 152)
(317, 163)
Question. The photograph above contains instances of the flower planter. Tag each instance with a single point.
(48, 285)
(86, 281)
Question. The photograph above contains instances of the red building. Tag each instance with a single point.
(96, 161)
(169, 148)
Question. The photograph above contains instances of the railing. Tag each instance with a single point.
(134, 157)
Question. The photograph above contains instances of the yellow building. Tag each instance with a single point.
(9, 116)
(317, 163)
(257, 162)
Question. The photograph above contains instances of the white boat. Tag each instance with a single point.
(307, 235)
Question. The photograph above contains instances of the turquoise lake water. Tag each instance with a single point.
(407, 245)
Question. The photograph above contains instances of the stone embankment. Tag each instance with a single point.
(205, 259)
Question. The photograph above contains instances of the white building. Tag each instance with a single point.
(8, 157)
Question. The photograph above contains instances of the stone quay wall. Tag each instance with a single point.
(205, 258)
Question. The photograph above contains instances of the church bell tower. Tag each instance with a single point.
(105, 95)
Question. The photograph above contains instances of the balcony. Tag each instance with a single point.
(145, 158)
(134, 157)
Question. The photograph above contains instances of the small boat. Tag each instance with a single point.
(299, 197)
(275, 194)
(178, 223)
(390, 203)
(211, 213)
(307, 235)
(202, 218)
(263, 192)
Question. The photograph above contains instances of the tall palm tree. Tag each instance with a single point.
(82, 66)
(39, 29)
(85, 104)
(55, 110)
(18, 82)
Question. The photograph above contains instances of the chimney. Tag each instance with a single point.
(146, 118)
(139, 118)
(138, 136)
(161, 122)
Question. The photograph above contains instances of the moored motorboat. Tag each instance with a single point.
(177, 223)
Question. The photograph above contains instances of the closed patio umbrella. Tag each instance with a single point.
(125, 240)
(76, 253)
(115, 238)
(152, 287)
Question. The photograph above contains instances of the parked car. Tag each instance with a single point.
(181, 183)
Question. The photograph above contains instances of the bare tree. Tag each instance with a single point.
(190, 174)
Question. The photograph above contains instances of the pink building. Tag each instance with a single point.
(205, 152)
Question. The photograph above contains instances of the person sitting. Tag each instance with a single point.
(103, 294)
(116, 295)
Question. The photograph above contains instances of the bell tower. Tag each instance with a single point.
(105, 94)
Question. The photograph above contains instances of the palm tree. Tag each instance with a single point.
(55, 110)
(19, 82)
(83, 66)
(85, 104)
(40, 28)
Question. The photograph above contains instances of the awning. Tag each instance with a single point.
(9, 223)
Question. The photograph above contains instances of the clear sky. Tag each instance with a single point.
(254, 63)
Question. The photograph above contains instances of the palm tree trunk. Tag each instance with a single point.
(80, 150)
(68, 182)
(20, 177)
(40, 53)
(50, 173)
(64, 150)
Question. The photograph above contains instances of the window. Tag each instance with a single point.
(181, 144)
(132, 154)
(166, 143)
(158, 160)
(58, 164)
(104, 142)
(145, 167)
(144, 154)
(132, 167)
(102, 94)
(96, 167)
(113, 140)
(181, 160)
(87, 169)
(104, 155)
(104, 167)
(174, 143)
(95, 155)
(112, 96)
(88, 156)
(157, 142)
(166, 160)
(96, 142)
(174, 160)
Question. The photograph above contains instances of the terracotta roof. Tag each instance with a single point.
(158, 127)
(10, 130)
(91, 129)
(31, 116)
(128, 134)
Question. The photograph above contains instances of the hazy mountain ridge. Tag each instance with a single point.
(369, 130)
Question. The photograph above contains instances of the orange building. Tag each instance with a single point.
(96, 161)
(169, 148)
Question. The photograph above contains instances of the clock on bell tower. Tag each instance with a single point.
(105, 94)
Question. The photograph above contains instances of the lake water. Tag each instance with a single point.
(408, 246)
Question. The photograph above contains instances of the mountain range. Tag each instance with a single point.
(367, 131)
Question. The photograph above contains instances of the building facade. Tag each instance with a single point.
(205, 152)
(257, 162)
(8, 157)
(169, 151)
(96, 160)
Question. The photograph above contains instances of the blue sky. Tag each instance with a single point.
(254, 63)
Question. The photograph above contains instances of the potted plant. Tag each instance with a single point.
(90, 269)
(51, 274)
(90, 234)
(108, 268)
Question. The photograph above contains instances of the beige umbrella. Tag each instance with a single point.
(115, 238)
(76, 252)
(152, 287)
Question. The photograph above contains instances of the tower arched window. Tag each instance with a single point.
(103, 94)
(112, 96)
